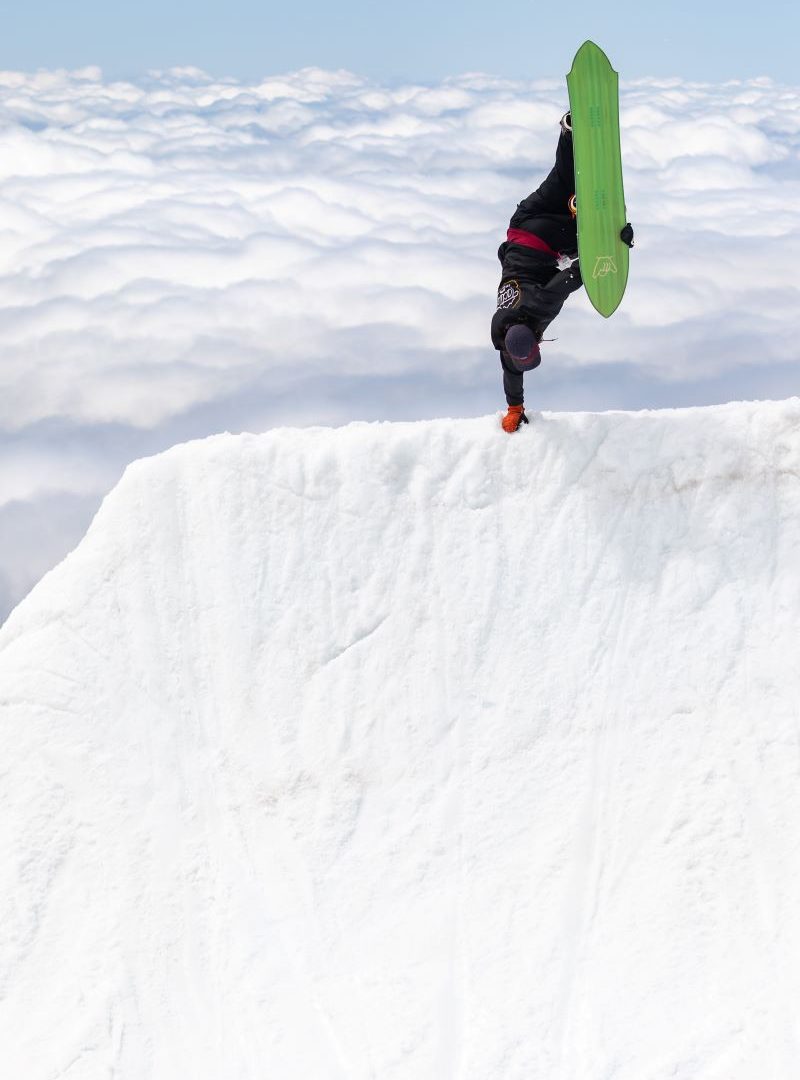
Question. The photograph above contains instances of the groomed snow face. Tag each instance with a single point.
(411, 751)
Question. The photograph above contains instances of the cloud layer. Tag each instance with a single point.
(188, 254)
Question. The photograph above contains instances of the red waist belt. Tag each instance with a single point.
(531, 240)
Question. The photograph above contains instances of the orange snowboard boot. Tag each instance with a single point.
(514, 417)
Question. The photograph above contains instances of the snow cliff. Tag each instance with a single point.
(415, 751)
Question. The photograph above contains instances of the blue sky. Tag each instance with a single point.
(415, 40)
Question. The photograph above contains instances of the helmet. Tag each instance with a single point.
(521, 346)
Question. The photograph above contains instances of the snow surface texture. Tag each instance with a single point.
(415, 751)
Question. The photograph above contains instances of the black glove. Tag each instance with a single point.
(626, 235)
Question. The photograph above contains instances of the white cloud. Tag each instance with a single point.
(299, 248)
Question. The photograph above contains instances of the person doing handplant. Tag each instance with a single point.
(539, 271)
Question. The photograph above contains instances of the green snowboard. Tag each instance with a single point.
(594, 106)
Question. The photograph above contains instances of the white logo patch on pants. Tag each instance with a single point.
(508, 295)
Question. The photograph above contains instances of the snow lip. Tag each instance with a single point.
(484, 433)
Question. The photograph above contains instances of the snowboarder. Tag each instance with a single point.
(542, 231)
(539, 272)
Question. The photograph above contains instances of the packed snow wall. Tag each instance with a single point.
(413, 752)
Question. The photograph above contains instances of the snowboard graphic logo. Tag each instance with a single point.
(605, 265)
(508, 295)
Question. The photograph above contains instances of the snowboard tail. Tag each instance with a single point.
(594, 106)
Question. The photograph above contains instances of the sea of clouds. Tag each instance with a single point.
(187, 254)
